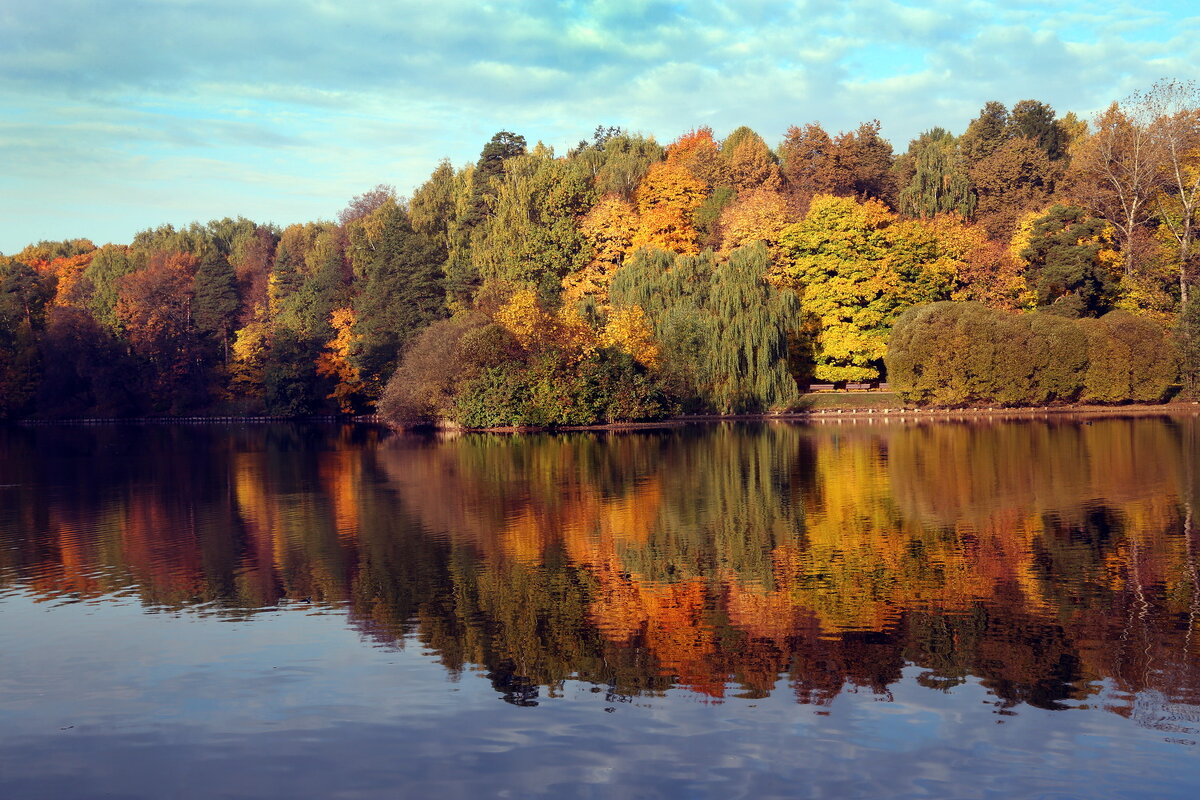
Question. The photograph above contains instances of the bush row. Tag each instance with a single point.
(962, 354)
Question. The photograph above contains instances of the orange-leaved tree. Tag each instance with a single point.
(335, 363)
(666, 199)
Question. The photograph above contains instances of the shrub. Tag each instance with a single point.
(957, 354)
(422, 389)
(1130, 358)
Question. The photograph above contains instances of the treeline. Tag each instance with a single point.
(622, 280)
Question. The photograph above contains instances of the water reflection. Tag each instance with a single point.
(1053, 562)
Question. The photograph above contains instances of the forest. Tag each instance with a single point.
(628, 280)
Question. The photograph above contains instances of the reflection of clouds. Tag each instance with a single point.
(376, 723)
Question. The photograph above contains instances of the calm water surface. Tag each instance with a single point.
(1005, 609)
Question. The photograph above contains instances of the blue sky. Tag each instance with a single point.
(118, 116)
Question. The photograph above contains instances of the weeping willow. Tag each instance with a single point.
(748, 360)
(721, 328)
(939, 183)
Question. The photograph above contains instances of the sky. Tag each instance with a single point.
(121, 116)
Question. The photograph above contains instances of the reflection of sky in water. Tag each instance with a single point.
(117, 702)
(826, 583)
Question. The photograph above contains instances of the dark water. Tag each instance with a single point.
(936, 610)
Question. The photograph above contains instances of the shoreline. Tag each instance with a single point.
(899, 414)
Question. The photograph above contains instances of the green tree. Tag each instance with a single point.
(959, 354)
(1067, 255)
(24, 296)
(618, 163)
(1130, 359)
(399, 288)
(109, 264)
(938, 182)
(1187, 336)
(531, 236)
(1037, 122)
(747, 360)
(215, 306)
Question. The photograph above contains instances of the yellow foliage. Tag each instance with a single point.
(666, 228)
(666, 199)
(756, 216)
(628, 330)
(609, 229)
(536, 330)
(1023, 234)
(249, 355)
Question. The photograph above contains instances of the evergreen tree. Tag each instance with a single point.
(215, 300)
(399, 289)
(1066, 253)
(23, 298)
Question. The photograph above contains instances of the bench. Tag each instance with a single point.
(857, 387)
(820, 387)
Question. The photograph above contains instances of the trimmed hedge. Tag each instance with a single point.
(963, 354)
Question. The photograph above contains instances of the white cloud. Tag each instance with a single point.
(336, 97)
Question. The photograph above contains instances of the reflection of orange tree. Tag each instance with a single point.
(730, 555)
(831, 555)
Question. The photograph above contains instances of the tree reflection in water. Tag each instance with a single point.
(1047, 560)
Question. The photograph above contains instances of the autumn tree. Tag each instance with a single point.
(750, 164)
(699, 154)
(1017, 177)
(867, 159)
(66, 262)
(1176, 129)
(608, 228)
(86, 370)
(756, 216)
(856, 269)
(809, 163)
(362, 205)
(1117, 172)
(666, 199)
(109, 264)
(335, 362)
(1014, 160)
(154, 308)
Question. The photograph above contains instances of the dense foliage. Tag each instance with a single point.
(956, 354)
(625, 280)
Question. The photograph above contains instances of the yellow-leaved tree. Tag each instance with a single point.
(609, 229)
(629, 331)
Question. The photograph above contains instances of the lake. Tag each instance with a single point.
(853, 609)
